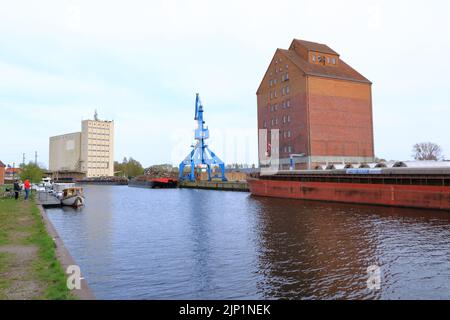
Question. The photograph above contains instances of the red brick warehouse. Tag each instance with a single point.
(2, 173)
(321, 105)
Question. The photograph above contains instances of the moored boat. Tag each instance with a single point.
(72, 197)
(402, 187)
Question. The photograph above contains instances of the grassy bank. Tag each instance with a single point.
(29, 268)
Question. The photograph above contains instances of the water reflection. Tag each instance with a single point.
(197, 244)
(312, 250)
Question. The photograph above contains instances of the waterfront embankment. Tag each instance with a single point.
(215, 185)
(29, 262)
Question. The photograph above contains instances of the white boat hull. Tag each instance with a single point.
(75, 201)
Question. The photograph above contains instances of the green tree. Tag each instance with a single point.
(32, 172)
(133, 168)
(118, 169)
(129, 168)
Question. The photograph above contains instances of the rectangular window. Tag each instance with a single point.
(288, 118)
(334, 60)
(314, 58)
(287, 90)
(288, 103)
(270, 82)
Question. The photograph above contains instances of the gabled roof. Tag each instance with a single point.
(314, 46)
(342, 71)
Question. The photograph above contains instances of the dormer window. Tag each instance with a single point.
(334, 60)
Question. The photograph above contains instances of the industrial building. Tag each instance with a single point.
(2, 173)
(321, 105)
(89, 153)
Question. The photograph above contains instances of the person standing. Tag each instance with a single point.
(16, 189)
(27, 187)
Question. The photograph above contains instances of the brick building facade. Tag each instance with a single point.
(2, 173)
(322, 106)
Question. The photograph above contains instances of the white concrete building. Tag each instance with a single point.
(90, 151)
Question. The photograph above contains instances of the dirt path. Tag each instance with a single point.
(19, 283)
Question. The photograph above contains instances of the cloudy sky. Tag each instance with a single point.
(140, 63)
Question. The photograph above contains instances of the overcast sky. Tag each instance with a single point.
(140, 63)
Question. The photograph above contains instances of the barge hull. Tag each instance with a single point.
(413, 196)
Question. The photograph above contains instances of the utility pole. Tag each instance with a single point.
(23, 157)
(35, 157)
(14, 171)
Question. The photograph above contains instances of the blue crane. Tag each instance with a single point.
(201, 154)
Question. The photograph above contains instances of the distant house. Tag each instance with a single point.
(11, 174)
(2, 173)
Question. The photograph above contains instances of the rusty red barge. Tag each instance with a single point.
(401, 187)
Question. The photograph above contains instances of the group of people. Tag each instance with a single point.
(18, 188)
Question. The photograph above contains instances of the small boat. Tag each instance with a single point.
(72, 197)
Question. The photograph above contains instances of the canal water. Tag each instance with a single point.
(136, 243)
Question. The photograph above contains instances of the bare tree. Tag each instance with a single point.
(427, 151)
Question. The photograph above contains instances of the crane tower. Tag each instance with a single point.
(201, 155)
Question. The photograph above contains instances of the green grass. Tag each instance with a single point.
(5, 283)
(46, 268)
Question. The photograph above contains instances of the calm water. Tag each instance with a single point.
(195, 244)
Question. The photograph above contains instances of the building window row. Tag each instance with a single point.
(285, 90)
(286, 134)
(286, 119)
(274, 122)
(286, 104)
(99, 148)
(273, 94)
(98, 124)
(98, 130)
(100, 145)
(287, 149)
(98, 140)
(324, 59)
(274, 107)
(272, 82)
(284, 77)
